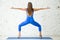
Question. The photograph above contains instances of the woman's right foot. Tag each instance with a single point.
(41, 36)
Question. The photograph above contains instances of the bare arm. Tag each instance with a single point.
(36, 9)
(24, 9)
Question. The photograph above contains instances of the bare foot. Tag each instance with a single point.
(19, 35)
(41, 36)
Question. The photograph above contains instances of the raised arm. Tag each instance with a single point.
(36, 9)
(24, 9)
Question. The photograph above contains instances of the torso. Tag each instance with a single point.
(30, 12)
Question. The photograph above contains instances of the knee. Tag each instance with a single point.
(19, 25)
(39, 26)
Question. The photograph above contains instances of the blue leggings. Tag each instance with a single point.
(31, 21)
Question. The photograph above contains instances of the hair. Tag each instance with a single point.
(30, 7)
(30, 4)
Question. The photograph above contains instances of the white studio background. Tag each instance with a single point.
(11, 18)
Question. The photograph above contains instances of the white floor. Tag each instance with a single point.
(56, 37)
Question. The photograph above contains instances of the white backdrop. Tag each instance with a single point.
(11, 18)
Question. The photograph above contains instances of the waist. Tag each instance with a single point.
(29, 15)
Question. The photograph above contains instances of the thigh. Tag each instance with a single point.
(24, 23)
(35, 24)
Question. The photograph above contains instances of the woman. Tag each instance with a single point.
(30, 11)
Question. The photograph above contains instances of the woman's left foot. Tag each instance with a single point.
(18, 37)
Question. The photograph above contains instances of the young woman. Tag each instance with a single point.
(30, 11)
